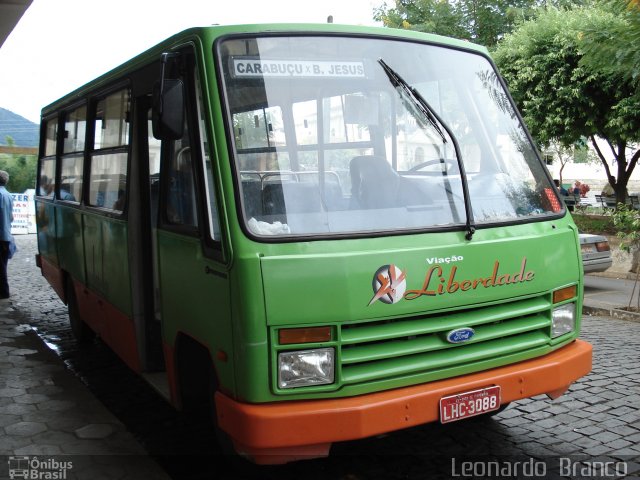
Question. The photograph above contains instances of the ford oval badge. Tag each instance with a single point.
(460, 335)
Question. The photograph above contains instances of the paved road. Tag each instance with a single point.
(607, 293)
(597, 420)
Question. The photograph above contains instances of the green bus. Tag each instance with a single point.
(318, 233)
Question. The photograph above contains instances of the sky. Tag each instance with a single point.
(59, 45)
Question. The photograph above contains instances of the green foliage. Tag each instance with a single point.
(583, 154)
(616, 51)
(627, 222)
(21, 170)
(484, 22)
(597, 224)
(432, 16)
(562, 99)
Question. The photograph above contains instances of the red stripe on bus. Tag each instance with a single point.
(54, 276)
(114, 327)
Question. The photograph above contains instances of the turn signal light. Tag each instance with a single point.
(288, 336)
(565, 293)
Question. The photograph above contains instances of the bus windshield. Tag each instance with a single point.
(324, 143)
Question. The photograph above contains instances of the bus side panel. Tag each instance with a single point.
(54, 276)
(93, 252)
(107, 260)
(89, 306)
(120, 335)
(250, 332)
(69, 241)
(105, 302)
(116, 282)
(47, 231)
(195, 301)
(113, 326)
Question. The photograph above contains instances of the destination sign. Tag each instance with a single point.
(245, 67)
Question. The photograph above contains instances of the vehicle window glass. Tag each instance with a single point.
(46, 177)
(71, 178)
(181, 203)
(109, 160)
(361, 154)
(154, 170)
(340, 129)
(112, 122)
(259, 128)
(51, 132)
(75, 126)
(305, 118)
(210, 190)
(108, 180)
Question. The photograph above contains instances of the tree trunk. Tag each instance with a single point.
(624, 170)
(621, 192)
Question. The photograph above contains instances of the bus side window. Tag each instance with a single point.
(210, 190)
(47, 168)
(180, 206)
(109, 159)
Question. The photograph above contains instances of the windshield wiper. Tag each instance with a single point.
(436, 122)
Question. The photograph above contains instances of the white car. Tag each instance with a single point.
(596, 253)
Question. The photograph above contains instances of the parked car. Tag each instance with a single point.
(596, 253)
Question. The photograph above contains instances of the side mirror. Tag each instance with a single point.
(168, 109)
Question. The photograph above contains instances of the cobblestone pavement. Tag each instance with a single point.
(598, 420)
(46, 411)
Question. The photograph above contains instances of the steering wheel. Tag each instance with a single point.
(448, 163)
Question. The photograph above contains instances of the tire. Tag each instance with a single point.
(81, 331)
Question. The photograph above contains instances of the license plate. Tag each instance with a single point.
(469, 404)
(587, 248)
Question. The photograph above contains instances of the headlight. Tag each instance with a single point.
(306, 367)
(563, 320)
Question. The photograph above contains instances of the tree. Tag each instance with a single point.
(432, 16)
(579, 152)
(563, 154)
(617, 50)
(627, 222)
(563, 100)
(480, 21)
(21, 169)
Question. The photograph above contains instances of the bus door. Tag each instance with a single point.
(192, 299)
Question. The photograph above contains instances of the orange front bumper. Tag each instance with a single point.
(285, 431)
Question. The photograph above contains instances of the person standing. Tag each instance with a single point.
(563, 191)
(6, 217)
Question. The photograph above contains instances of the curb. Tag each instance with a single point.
(611, 312)
(614, 274)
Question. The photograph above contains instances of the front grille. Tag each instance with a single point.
(392, 348)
